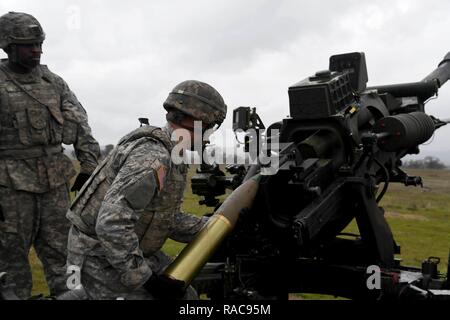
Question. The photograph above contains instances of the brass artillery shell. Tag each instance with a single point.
(195, 255)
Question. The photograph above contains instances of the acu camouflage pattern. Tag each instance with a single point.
(198, 100)
(125, 213)
(34, 173)
(38, 220)
(31, 156)
(19, 28)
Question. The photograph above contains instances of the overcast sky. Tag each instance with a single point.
(121, 58)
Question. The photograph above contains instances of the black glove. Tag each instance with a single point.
(80, 181)
(164, 288)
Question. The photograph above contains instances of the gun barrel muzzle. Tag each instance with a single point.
(442, 73)
(195, 255)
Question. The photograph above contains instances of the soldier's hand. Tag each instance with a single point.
(80, 181)
(164, 288)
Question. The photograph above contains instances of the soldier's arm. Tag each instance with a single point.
(131, 192)
(77, 130)
(186, 227)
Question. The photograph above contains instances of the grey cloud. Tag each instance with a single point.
(127, 56)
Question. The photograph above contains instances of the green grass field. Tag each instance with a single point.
(419, 218)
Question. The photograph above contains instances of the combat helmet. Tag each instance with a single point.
(19, 28)
(198, 100)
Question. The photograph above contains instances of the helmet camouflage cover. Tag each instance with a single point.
(198, 100)
(19, 28)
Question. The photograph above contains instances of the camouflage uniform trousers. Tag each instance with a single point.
(32, 219)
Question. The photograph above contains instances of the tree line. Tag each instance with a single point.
(427, 163)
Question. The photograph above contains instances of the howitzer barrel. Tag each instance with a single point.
(442, 73)
(424, 89)
(195, 255)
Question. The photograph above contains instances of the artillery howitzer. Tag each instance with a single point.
(341, 143)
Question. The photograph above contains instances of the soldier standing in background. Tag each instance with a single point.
(38, 113)
(132, 204)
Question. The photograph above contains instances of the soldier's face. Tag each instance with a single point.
(29, 55)
(195, 136)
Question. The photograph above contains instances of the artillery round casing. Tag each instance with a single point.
(192, 259)
(195, 255)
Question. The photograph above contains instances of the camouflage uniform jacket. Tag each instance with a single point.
(38, 112)
(130, 206)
